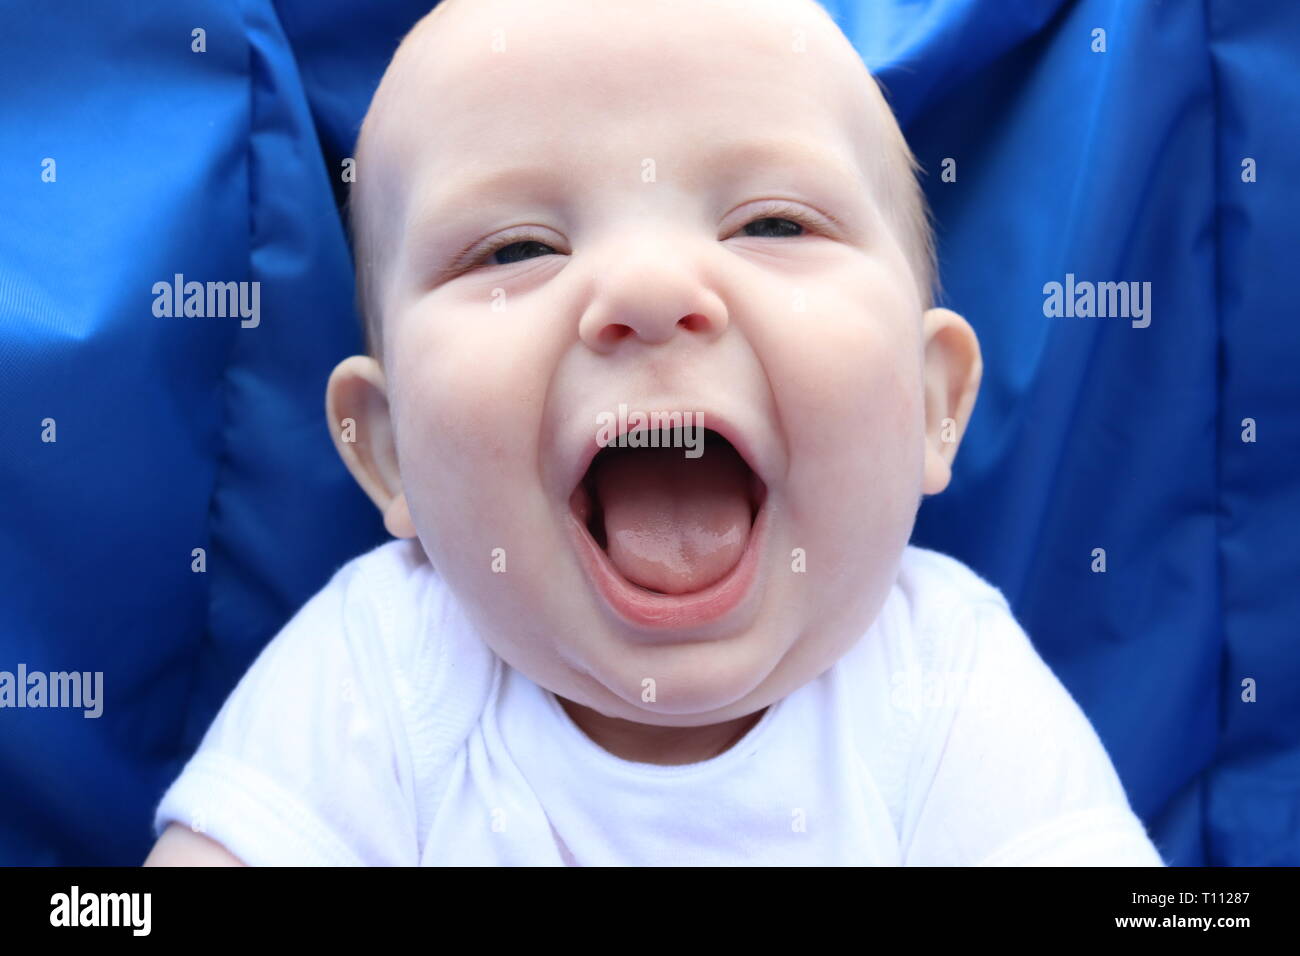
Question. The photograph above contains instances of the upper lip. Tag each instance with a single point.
(713, 420)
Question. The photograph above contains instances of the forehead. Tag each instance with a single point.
(503, 84)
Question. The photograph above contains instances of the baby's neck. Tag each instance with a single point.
(668, 746)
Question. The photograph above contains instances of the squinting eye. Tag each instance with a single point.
(783, 220)
(773, 227)
(516, 251)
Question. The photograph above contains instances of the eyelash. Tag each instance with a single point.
(778, 209)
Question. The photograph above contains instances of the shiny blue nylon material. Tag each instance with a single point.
(177, 433)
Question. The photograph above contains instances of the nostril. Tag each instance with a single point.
(694, 322)
(615, 332)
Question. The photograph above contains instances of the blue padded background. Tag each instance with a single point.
(178, 433)
(172, 433)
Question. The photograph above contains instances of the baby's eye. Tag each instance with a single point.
(518, 251)
(779, 219)
(773, 227)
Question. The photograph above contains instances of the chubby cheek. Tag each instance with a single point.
(849, 390)
(467, 419)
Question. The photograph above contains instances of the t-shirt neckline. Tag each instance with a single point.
(578, 741)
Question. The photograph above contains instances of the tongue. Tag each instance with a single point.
(675, 524)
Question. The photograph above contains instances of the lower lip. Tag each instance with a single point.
(676, 615)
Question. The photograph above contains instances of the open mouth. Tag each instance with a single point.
(669, 537)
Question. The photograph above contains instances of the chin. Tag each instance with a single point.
(694, 683)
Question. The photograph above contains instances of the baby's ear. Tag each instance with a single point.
(360, 421)
(953, 368)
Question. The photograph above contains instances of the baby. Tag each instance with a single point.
(654, 389)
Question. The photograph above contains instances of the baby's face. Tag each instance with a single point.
(665, 207)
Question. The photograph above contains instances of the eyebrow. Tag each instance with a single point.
(792, 151)
(421, 224)
(541, 181)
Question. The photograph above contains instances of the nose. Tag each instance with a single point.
(650, 300)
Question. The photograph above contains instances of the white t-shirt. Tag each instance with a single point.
(377, 728)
